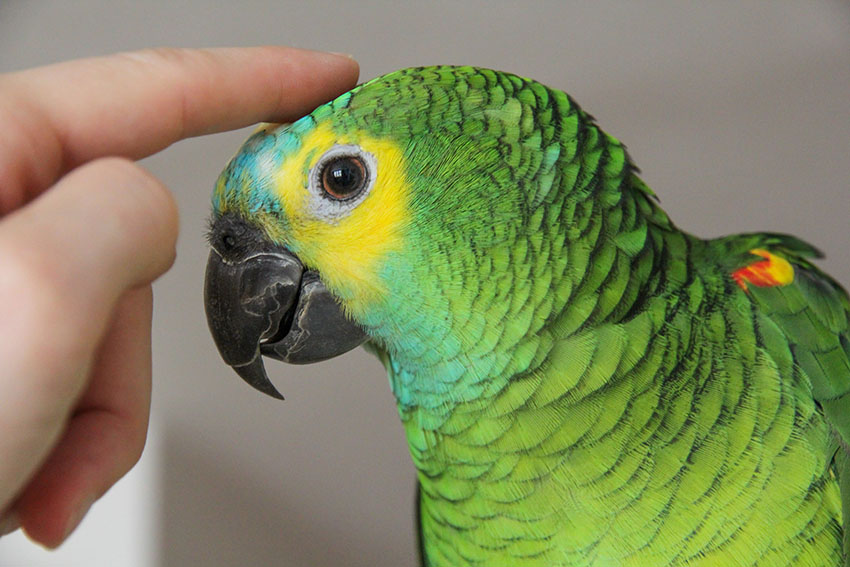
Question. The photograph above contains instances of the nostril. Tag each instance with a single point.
(228, 242)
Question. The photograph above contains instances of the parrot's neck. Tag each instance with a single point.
(491, 410)
(485, 324)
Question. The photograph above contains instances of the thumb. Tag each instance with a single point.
(66, 259)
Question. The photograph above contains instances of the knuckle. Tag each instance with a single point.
(30, 151)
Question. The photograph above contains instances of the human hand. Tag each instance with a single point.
(82, 237)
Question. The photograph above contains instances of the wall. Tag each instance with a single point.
(737, 114)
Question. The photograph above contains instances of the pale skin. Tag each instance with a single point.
(83, 233)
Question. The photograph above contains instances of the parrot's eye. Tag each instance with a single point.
(344, 177)
(340, 180)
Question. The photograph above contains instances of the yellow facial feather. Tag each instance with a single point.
(348, 251)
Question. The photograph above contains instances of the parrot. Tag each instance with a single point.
(580, 382)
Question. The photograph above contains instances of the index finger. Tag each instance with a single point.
(135, 104)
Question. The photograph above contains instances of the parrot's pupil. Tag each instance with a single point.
(343, 177)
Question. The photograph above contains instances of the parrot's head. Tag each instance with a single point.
(390, 214)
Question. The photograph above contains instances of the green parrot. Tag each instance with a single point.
(581, 383)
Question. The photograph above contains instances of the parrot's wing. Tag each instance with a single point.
(812, 315)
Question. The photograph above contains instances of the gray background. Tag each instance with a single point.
(738, 113)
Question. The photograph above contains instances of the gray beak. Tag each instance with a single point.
(260, 300)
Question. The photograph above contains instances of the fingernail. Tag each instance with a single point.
(348, 55)
(9, 522)
(76, 518)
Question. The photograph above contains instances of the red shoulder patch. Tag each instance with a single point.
(772, 271)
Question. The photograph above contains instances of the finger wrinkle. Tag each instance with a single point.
(98, 113)
(172, 63)
(30, 150)
(131, 123)
(194, 78)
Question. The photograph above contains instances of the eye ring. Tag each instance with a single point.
(335, 195)
(343, 177)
